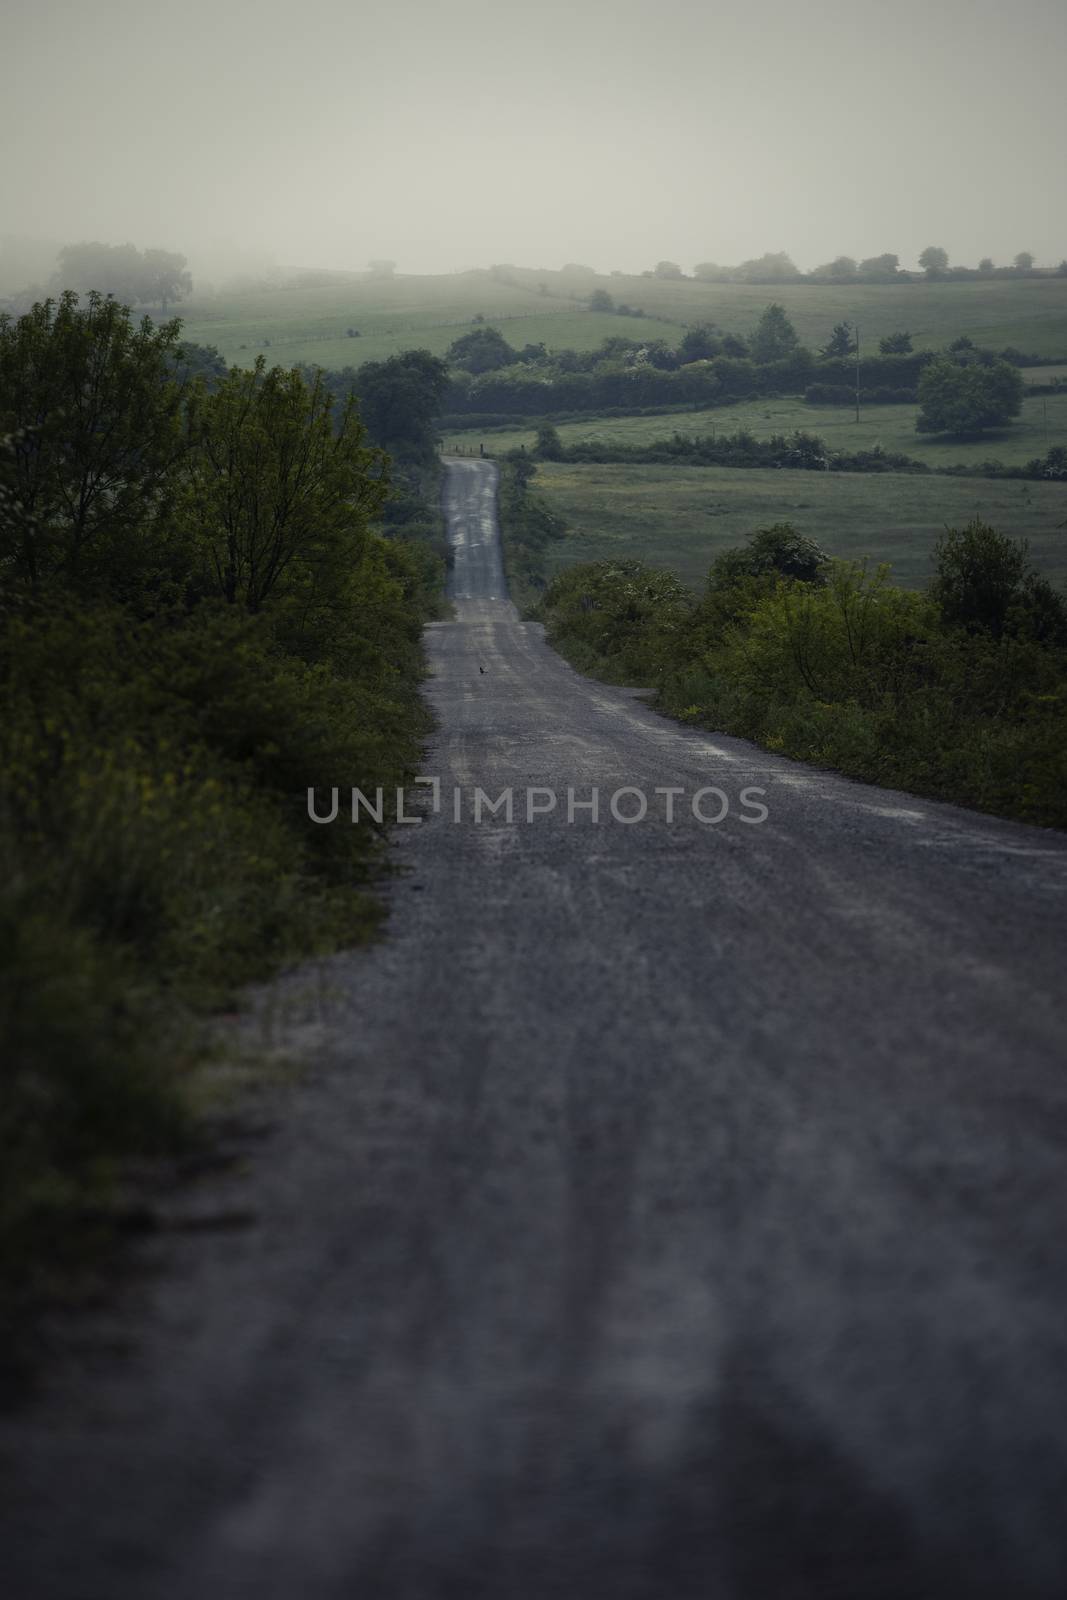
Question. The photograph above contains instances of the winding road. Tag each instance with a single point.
(675, 1210)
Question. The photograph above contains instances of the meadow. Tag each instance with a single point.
(1041, 424)
(680, 519)
(309, 322)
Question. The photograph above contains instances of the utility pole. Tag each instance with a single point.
(857, 372)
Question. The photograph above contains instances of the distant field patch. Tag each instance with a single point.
(310, 323)
(681, 518)
(1042, 422)
(291, 325)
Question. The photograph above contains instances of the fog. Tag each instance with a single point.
(444, 136)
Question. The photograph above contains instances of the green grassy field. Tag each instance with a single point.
(309, 323)
(1030, 313)
(1042, 422)
(680, 519)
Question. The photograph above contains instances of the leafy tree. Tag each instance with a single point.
(1023, 262)
(484, 350)
(400, 400)
(107, 269)
(775, 336)
(381, 268)
(279, 491)
(600, 300)
(883, 266)
(200, 361)
(151, 277)
(840, 343)
(165, 277)
(549, 445)
(94, 414)
(734, 346)
(985, 266)
(709, 272)
(774, 267)
(779, 550)
(967, 399)
(934, 260)
(842, 267)
(701, 343)
(984, 583)
(895, 344)
(668, 269)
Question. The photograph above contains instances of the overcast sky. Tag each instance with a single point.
(453, 133)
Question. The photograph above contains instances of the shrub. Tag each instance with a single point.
(965, 399)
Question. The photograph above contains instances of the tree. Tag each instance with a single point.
(151, 277)
(934, 260)
(985, 266)
(709, 272)
(382, 269)
(842, 268)
(105, 269)
(400, 400)
(484, 350)
(883, 266)
(979, 576)
(278, 488)
(777, 551)
(701, 343)
(734, 346)
(775, 336)
(840, 343)
(600, 300)
(895, 344)
(668, 269)
(1023, 262)
(774, 267)
(965, 400)
(166, 277)
(94, 413)
(549, 446)
(200, 361)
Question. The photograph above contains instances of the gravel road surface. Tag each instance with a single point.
(673, 1211)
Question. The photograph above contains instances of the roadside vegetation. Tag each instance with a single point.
(208, 602)
(958, 692)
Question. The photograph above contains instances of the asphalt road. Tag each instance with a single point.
(675, 1210)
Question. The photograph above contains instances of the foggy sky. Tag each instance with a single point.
(461, 133)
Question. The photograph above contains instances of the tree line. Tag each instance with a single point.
(962, 390)
(777, 266)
